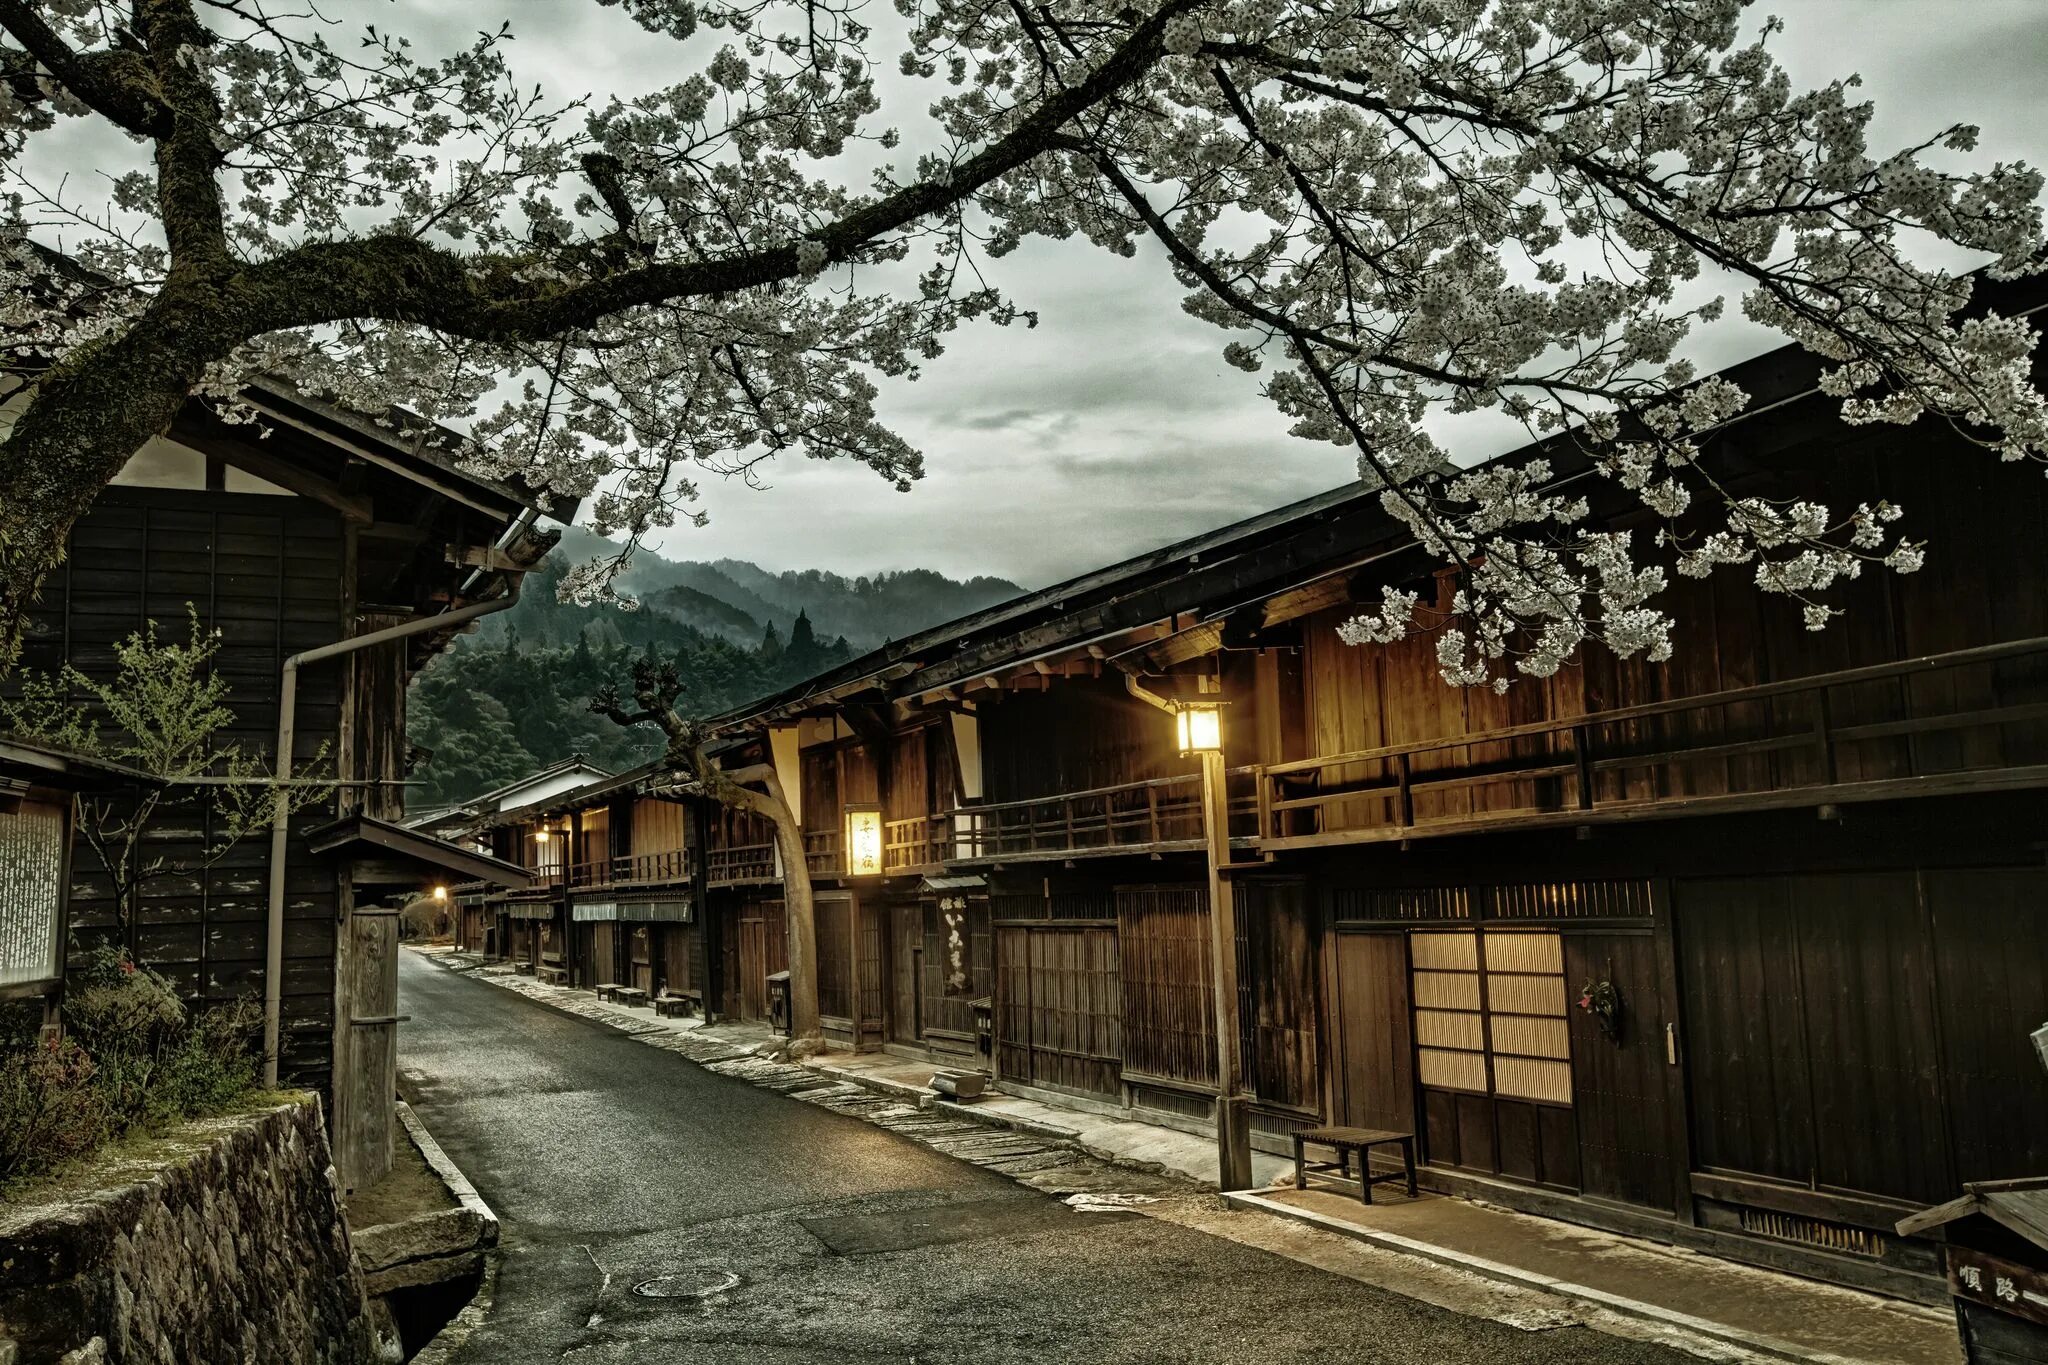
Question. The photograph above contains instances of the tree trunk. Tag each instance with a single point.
(803, 921)
(83, 422)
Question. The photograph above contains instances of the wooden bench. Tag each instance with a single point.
(629, 995)
(607, 989)
(1350, 1142)
(679, 1005)
(523, 968)
(556, 975)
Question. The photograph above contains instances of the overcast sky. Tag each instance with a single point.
(1115, 426)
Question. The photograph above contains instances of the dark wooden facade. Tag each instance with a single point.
(1806, 867)
(327, 528)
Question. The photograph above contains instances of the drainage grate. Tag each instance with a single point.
(1813, 1232)
(695, 1284)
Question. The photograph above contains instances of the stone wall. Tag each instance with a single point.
(223, 1243)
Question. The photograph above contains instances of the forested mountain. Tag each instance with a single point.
(866, 610)
(516, 695)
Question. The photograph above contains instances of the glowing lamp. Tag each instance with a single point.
(440, 893)
(1199, 726)
(540, 836)
(863, 841)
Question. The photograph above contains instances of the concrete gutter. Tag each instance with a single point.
(451, 1174)
(430, 1247)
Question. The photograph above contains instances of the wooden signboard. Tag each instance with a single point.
(1992, 1282)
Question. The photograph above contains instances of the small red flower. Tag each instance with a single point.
(127, 967)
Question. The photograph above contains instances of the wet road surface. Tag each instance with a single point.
(780, 1232)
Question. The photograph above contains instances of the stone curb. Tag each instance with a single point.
(1721, 1332)
(451, 1174)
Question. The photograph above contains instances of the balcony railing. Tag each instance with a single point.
(1974, 719)
(661, 868)
(821, 852)
(918, 842)
(1162, 812)
(741, 863)
(546, 881)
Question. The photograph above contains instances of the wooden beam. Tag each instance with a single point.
(485, 557)
(425, 478)
(292, 477)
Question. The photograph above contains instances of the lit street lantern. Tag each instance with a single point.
(863, 841)
(1199, 724)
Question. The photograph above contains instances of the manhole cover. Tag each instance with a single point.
(694, 1284)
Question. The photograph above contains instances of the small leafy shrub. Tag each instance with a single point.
(133, 1059)
(51, 1109)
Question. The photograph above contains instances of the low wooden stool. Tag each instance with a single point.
(1346, 1142)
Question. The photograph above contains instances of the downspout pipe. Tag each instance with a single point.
(280, 818)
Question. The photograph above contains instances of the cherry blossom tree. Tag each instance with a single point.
(1393, 208)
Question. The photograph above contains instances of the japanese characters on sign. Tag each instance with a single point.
(1996, 1283)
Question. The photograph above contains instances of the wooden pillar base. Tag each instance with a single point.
(1233, 1145)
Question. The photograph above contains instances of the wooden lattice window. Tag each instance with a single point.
(1525, 1011)
(1450, 1023)
(1490, 1014)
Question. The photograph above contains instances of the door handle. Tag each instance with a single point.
(1671, 1044)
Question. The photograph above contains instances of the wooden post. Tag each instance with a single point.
(1582, 755)
(710, 951)
(1403, 792)
(1824, 735)
(1233, 1123)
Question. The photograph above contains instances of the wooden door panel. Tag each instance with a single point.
(1990, 931)
(1278, 988)
(1618, 1083)
(906, 951)
(1737, 946)
(1869, 994)
(1376, 1085)
(752, 969)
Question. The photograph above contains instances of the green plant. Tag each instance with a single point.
(51, 1109)
(165, 712)
(134, 1059)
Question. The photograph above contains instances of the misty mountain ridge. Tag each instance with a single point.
(737, 600)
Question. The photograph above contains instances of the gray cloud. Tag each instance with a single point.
(1114, 426)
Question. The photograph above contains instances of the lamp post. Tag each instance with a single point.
(1198, 725)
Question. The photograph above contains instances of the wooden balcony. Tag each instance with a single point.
(546, 882)
(667, 867)
(1159, 815)
(1971, 720)
(821, 852)
(920, 842)
(735, 864)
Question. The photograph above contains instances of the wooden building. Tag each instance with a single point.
(295, 539)
(1740, 951)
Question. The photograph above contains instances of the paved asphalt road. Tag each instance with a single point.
(612, 1163)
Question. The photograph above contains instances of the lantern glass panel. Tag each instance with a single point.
(863, 842)
(1200, 727)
